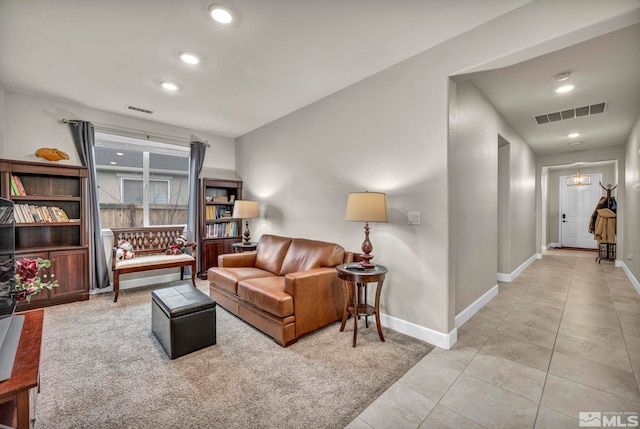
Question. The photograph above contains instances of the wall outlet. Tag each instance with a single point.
(414, 218)
(630, 257)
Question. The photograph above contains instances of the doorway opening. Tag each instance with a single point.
(577, 203)
(551, 209)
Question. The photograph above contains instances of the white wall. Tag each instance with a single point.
(370, 136)
(34, 122)
(474, 163)
(632, 207)
(2, 115)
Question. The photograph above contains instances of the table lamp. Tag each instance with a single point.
(366, 207)
(245, 209)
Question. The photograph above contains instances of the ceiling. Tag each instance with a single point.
(277, 56)
(603, 69)
(281, 55)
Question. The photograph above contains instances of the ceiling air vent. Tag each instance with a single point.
(571, 113)
(139, 109)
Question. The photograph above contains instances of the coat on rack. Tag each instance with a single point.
(605, 228)
(603, 220)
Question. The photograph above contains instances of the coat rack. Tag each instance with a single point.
(608, 189)
(607, 251)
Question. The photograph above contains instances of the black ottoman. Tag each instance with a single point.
(183, 319)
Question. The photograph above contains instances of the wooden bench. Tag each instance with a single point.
(149, 245)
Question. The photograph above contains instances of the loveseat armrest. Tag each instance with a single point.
(317, 298)
(245, 259)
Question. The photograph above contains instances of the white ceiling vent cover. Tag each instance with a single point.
(575, 112)
(139, 109)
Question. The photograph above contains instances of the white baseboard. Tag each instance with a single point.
(538, 255)
(632, 278)
(438, 339)
(143, 281)
(468, 312)
(508, 278)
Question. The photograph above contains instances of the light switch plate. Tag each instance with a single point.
(414, 218)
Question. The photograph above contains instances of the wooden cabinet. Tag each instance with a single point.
(218, 229)
(52, 225)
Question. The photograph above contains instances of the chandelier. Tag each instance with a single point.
(579, 179)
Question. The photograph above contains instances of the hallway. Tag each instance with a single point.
(561, 339)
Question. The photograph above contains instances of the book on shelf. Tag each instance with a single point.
(17, 216)
(35, 214)
(19, 188)
(14, 188)
(62, 215)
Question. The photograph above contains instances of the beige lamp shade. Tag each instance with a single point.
(366, 207)
(245, 209)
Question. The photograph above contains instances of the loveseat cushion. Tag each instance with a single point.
(304, 255)
(228, 278)
(268, 294)
(271, 251)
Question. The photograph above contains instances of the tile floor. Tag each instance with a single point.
(562, 338)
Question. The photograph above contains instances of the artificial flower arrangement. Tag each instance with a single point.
(27, 278)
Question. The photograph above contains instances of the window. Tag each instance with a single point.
(140, 182)
(133, 191)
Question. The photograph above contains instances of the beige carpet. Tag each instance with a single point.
(101, 367)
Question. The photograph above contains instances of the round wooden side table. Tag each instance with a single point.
(355, 279)
(244, 247)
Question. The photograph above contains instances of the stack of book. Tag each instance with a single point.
(26, 213)
(17, 189)
(217, 212)
(223, 229)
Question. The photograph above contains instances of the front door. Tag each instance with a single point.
(577, 204)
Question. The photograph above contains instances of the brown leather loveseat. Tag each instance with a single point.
(287, 288)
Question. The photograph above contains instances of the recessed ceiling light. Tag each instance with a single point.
(564, 88)
(119, 153)
(189, 58)
(220, 13)
(169, 86)
(575, 143)
(573, 135)
(113, 163)
(561, 77)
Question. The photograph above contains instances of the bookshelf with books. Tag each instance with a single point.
(50, 222)
(218, 229)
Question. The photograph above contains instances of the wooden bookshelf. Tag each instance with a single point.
(61, 239)
(218, 229)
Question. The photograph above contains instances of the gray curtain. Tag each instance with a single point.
(83, 137)
(195, 166)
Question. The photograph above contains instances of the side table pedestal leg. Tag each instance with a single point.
(378, 289)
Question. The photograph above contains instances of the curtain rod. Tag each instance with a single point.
(128, 132)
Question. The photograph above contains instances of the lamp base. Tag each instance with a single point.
(247, 234)
(367, 247)
(366, 264)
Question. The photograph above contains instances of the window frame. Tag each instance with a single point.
(146, 148)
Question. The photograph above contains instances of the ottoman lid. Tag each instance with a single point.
(181, 300)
